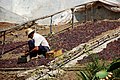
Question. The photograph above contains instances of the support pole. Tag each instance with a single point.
(35, 26)
(85, 13)
(3, 42)
(72, 9)
(93, 12)
(51, 25)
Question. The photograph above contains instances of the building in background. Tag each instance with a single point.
(98, 10)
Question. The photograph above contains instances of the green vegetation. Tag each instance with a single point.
(101, 70)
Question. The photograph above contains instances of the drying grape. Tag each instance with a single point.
(67, 40)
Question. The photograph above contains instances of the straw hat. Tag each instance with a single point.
(28, 31)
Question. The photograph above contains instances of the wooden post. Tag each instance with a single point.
(93, 12)
(85, 13)
(51, 25)
(72, 9)
(3, 42)
(35, 26)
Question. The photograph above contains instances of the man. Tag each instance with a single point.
(38, 44)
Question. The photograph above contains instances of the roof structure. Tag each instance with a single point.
(113, 6)
(112, 3)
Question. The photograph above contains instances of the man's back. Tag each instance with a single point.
(40, 40)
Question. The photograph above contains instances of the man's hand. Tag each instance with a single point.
(27, 53)
(36, 48)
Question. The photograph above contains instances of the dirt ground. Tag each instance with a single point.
(69, 75)
(7, 76)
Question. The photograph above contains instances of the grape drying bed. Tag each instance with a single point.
(67, 40)
(56, 65)
(81, 34)
(111, 52)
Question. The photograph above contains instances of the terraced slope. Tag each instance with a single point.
(66, 40)
(111, 52)
(81, 34)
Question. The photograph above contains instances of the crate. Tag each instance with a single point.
(54, 53)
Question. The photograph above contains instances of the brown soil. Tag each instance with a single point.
(7, 76)
(6, 24)
(69, 75)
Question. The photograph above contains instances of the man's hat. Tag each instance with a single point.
(28, 31)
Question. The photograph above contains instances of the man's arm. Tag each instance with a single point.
(36, 48)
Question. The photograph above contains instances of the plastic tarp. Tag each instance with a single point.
(112, 8)
(38, 8)
(64, 18)
(110, 2)
(8, 16)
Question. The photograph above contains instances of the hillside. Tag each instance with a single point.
(65, 40)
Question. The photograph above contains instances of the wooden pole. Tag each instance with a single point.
(93, 12)
(51, 25)
(72, 9)
(85, 13)
(3, 42)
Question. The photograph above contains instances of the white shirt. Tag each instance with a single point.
(39, 39)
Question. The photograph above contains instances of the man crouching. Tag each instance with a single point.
(38, 44)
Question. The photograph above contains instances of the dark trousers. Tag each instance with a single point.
(42, 49)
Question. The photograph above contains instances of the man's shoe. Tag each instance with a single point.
(41, 56)
(35, 57)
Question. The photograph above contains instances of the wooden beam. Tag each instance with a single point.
(51, 25)
(3, 42)
(72, 9)
(93, 12)
(14, 69)
(76, 68)
(85, 13)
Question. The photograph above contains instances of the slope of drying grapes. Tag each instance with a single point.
(112, 51)
(81, 34)
(65, 40)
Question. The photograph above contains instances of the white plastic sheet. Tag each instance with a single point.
(64, 18)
